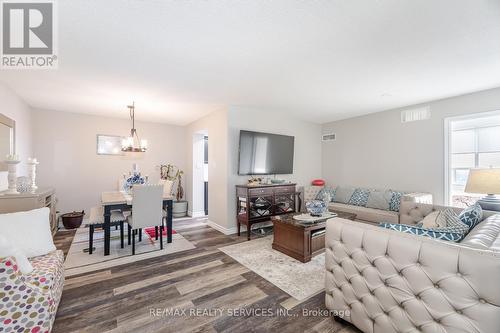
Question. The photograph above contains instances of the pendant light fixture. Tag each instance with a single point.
(133, 143)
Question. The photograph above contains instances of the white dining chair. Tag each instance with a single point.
(147, 211)
(96, 219)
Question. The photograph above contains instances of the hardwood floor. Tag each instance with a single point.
(199, 290)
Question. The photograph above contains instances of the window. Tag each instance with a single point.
(474, 142)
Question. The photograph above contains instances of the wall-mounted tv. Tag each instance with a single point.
(265, 153)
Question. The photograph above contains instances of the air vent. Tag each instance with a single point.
(328, 137)
(416, 114)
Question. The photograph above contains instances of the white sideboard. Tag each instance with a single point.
(42, 197)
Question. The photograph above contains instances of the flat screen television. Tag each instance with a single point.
(265, 153)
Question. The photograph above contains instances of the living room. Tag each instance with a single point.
(221, 166)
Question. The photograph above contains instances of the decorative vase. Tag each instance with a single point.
(32, 163)
(23, 184)
(134, 179)
(179, 208)
(12, 177)
(316, 207)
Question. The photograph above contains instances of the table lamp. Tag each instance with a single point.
(485, 181)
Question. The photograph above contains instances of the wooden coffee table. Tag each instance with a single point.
(301, 240)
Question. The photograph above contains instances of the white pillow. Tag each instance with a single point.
(29, 231)
(430, 221)
(9, 250)
(167, 186)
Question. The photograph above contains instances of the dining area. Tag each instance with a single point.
(146, 206)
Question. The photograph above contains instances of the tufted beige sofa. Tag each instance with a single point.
(384, 281)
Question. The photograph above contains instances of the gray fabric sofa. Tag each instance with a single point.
(366, 214)
(384, 281)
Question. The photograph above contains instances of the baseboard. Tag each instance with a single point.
(197, 214)
(234, 230)
(225, 231)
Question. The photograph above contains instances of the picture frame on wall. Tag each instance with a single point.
(109, 144)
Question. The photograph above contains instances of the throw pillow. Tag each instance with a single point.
(7, 249)
(379, 200)
(448, 221)
(395, 202)
(29, 231)
(359, 197)
(472, 215)
(326, 194)
(441, 235)
(343, 194)
(430, 220)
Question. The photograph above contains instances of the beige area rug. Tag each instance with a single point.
(299, 280)
(78, 260)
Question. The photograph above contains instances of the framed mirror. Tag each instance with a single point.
(7, 139)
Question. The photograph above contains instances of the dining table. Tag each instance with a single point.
(121, 200)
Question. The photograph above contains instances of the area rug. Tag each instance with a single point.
(299, 280)
(151, 232)
(79, 261)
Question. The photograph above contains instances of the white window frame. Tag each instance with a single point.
(447, 148)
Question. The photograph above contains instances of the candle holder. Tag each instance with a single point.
(32, 163)
(12, 176)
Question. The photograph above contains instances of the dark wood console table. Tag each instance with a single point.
(258, 203)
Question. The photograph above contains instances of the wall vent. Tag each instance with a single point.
(328, 137)
(416, 114)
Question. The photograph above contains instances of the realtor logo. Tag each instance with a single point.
(28, 34)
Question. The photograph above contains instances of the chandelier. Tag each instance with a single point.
(133, 143)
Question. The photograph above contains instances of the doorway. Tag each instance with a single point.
(200, 174)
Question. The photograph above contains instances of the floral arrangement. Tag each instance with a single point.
(134, 179)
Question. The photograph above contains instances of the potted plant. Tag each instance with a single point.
(174, 174)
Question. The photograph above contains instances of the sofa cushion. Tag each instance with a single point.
(343, 194)
(29, 231)
(326, 194)
(395, 202)
(359, 197)
(366, 214)
(485, 235)
(472, 215)
(379, 199)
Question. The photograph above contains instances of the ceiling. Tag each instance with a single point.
(320, 60)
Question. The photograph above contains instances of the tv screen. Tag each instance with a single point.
(265, 153)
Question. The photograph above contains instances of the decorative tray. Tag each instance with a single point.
(308, 218)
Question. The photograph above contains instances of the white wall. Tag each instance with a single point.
(377, 150)
(65, 144)
(215, 125)
(307, 155)
(15, 108)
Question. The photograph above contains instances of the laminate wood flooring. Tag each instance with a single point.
(199, 290)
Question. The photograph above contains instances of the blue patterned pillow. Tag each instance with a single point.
(360, 197)
(454, 230)
(472, 215)
(431, 233)
(326, 194)
(395, 202)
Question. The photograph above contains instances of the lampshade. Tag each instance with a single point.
(484, 181)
